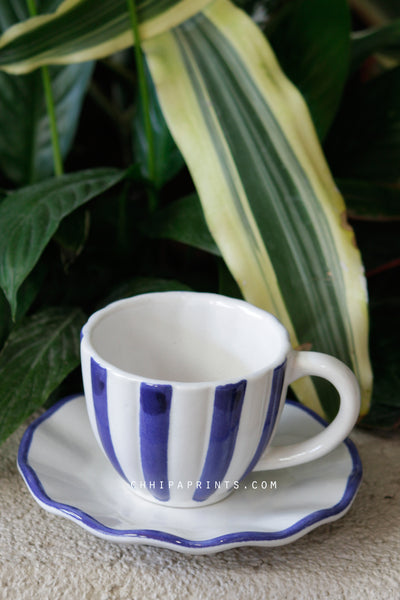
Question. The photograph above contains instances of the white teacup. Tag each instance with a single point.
(184, 391)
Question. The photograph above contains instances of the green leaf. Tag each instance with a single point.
(168, 159)
(383, 40)
(38, 355)
(30, 289)
(30, 217)
(14, 11)
(312, 44)
(365, 200)
(144, 285)
(82, 30)
(26, 295)
(182, 221)
(23, 117)
(267, 194)
(366, 141)
(23, 113)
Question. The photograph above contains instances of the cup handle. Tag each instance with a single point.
(330, 368)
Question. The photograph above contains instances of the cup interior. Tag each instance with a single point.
(186, 337)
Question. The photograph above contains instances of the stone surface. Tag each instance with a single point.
(45, 556)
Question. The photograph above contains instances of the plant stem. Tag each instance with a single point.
(144, 93)
(57, 159)
(392, 264)
(58, 165)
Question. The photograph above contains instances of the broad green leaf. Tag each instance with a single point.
(23, 117)
(30, 216)
(383, 40)
(266, 191)
(366, 144)
(367, 200)
(312, 44)
(82, 30)
(144, 285)
(168, 159)
(23, 114)
(182, 221)
(38, 355)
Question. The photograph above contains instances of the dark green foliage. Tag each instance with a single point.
(93, 235)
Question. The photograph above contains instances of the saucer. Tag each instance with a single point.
(68, 475)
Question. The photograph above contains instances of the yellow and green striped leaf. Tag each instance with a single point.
(248, 140)
(83, 30)
(266, 191)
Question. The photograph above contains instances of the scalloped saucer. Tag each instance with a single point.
(68, 475)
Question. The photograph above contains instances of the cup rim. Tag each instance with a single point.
(116, 305)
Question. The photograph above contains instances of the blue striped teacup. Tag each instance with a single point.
(184, 391)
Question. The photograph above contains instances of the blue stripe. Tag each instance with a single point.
(270, 419)
(155, 407)
(99, 392)
(228, 404)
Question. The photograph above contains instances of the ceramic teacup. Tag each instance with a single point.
(184, 391)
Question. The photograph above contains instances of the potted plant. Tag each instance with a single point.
(210, 158)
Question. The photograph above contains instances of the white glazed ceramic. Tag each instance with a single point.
(184, 391)
(68, 475)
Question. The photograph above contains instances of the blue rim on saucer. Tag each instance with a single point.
(68, 475)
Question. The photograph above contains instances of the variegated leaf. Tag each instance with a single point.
(82, 30)
(266, 190)
(248, 140)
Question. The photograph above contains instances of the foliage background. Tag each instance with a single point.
(109, 242)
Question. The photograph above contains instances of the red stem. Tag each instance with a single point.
(392, 264)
